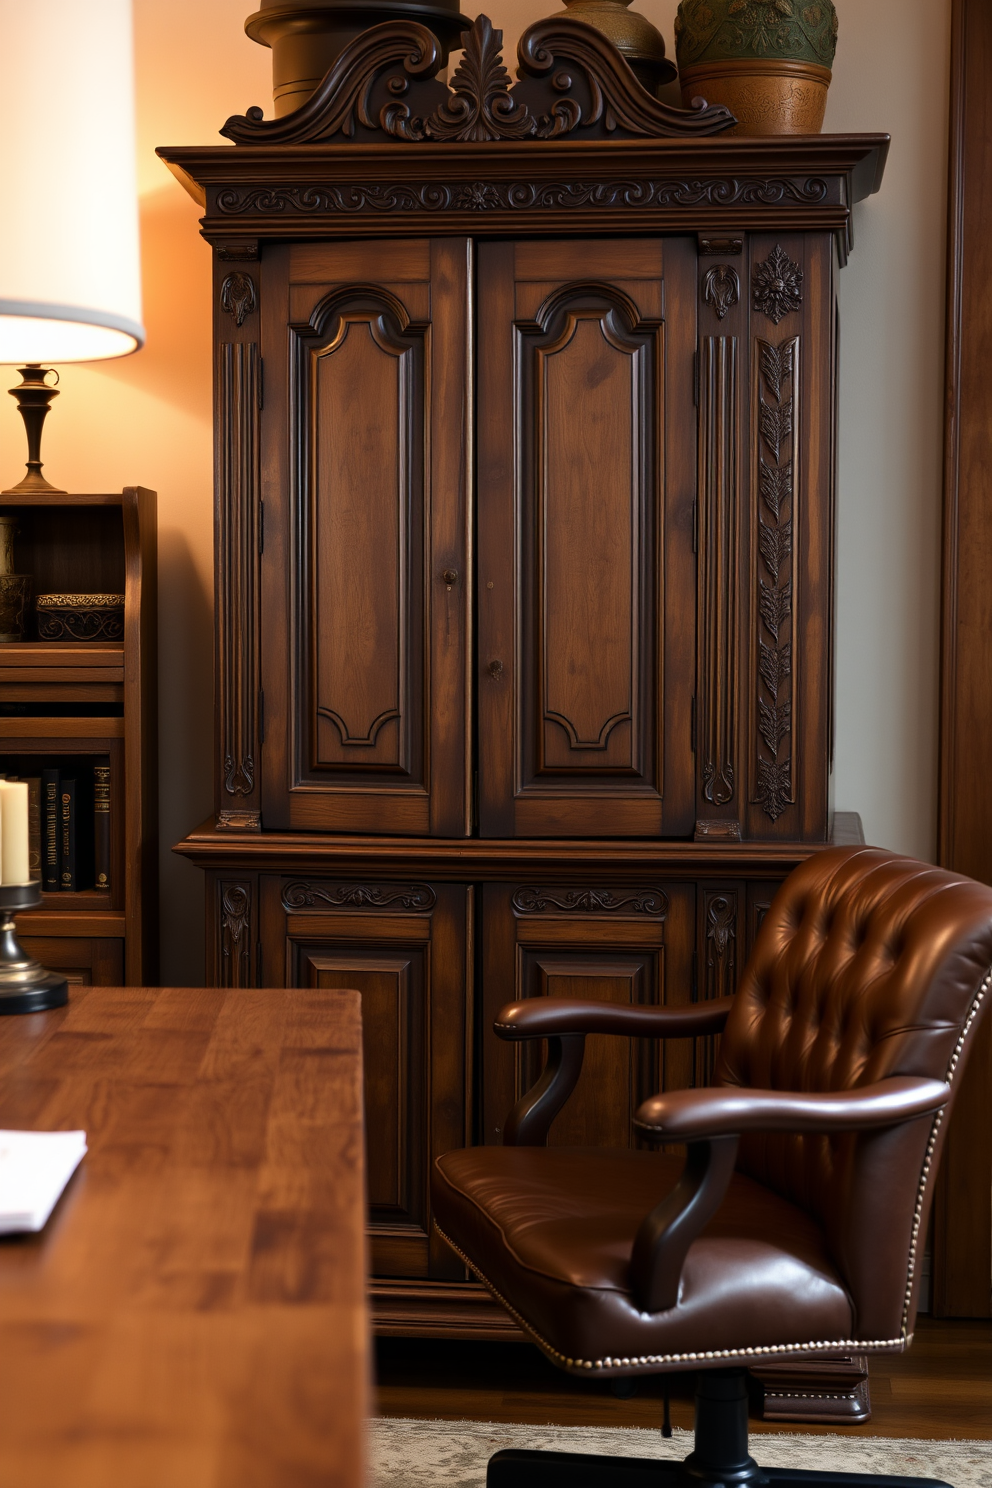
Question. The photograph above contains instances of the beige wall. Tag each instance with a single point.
(147, 419)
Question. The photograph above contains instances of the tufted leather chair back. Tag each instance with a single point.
(866, 965)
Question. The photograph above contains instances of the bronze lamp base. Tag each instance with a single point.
(25, 987)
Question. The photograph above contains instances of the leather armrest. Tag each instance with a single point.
(724, 1110)
(551, 1017)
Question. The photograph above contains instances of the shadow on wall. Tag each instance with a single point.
(185, 750)
(174, 366)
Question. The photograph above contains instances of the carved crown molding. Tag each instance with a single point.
(480, 196)
(572, 80)
(309, 895)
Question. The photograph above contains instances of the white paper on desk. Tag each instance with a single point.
(34, 1169)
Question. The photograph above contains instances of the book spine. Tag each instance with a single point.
(101, 822)
(51, 831)
(34, 825)
(67, 823)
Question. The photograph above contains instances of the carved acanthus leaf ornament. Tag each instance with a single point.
(572, 78)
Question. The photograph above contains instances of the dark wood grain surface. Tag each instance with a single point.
(193, 1314)
(962, 1215)
(939, 1390)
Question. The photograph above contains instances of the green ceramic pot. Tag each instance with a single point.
(768, 60)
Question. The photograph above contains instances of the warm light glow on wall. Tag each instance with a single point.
(70, 288)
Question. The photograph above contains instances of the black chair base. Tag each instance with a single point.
(720, 1459)
(512, 1469)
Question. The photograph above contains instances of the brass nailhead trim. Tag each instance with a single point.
(953, 1063)
(857, 1345)
(829, 1345)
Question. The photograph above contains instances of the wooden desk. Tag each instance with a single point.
(193, 1316)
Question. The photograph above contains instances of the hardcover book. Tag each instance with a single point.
(51, 835)
(101, 822)
(76, 838)
(33, 783)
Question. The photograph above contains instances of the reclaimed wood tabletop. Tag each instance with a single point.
(193, 1314)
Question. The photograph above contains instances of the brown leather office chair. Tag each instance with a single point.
(796, 1224)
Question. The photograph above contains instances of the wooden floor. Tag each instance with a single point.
(941, 1388)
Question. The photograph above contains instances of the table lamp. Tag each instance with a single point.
(70, 286)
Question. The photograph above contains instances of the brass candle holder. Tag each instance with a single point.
(25, 987)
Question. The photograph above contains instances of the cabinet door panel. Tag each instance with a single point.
(364, 583)
(627, 945)
(86, 962)
(575, 660)
(404, 948)
(393, 1020)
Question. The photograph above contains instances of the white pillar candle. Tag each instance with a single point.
(14, 861)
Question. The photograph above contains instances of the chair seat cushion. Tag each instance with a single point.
(550, 1231)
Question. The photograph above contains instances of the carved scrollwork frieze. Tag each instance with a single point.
(590, 901)
(776, 379)
(480, 196)
(384, 85)
(416, 898)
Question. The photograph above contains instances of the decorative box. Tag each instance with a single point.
(80, 617)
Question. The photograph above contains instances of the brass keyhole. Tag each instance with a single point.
(450, 576)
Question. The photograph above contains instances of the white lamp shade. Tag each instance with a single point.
(70, 283)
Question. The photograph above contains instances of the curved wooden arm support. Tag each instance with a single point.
(530, 1120)
(664, 1237)
(726, 1110)
(548, 1017)
(564, 1023)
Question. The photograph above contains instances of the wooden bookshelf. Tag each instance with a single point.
(72, 702)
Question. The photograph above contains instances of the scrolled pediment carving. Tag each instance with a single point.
(384, 86)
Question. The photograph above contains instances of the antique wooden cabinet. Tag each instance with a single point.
(525, 511)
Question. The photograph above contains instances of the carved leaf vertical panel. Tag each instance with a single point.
(237, 575)
(718, 566)
(234, 925)
(717, 961)
(774, 598)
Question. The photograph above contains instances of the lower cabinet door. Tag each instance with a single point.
(625, 944)
(405, 948)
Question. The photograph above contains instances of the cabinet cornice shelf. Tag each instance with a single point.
(655, 185)
(472, 857)
(79, 544)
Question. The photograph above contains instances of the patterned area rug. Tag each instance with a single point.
(453, 1454)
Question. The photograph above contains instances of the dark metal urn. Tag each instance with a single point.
(306, 36)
